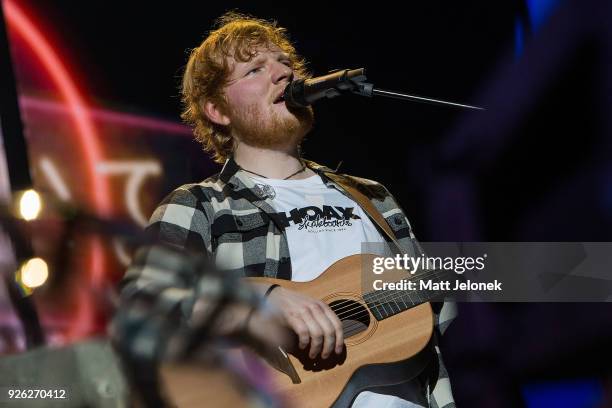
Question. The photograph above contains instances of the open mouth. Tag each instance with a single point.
(280, 99)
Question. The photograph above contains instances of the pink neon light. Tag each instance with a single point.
(92, 151)
(126, 119)
(71, 95)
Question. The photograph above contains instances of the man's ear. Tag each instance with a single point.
(214, 114)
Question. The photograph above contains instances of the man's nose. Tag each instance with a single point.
(281, 72)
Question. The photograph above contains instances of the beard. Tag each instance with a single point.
(254, 128)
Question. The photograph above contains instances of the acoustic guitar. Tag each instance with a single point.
(386, 334)
(387, 337)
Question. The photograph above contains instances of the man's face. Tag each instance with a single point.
(258, 117)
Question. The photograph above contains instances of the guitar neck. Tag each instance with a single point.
(387, 303)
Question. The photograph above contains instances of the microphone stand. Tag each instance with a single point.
(354, 81)
(406, 97)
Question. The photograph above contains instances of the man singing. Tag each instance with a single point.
(269, 212)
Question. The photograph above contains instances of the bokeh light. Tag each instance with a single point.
(29, 205)
(34, 272)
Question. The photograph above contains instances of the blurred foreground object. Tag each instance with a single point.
(184, 343)
(88, 372)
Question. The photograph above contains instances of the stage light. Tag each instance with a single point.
(33, 273)
(29, 205)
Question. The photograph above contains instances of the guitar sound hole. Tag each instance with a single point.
(354, 316)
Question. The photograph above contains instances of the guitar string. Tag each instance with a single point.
(357, 325)
(383, 306)
(386, 300)
(356, 320)
(363, 311)
(384, 297)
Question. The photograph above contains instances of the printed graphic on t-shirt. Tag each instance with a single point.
(321, 224)
(318, 219)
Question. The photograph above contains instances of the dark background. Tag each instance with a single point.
(134, 57)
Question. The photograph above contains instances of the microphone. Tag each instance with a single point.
(303, 92)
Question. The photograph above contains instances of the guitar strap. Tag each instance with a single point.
(367, 206)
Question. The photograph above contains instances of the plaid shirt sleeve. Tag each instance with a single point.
(160, 286)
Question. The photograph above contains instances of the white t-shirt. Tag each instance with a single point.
(324, 227)
(324, 224)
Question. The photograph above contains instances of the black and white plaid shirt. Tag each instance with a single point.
(232, 220)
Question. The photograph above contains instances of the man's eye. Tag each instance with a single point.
(254, 70)
(287, 63)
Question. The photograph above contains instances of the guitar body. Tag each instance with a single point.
(401, 339)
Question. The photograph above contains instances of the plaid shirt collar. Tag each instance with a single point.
(237, 179)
